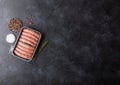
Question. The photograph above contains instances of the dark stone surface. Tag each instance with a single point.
(84, 42)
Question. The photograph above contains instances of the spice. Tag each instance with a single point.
(30, 20)
(15, 24)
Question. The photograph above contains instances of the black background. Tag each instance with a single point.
(83, 42)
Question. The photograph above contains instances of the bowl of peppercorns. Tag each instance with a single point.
(15, 24)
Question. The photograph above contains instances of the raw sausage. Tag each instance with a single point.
(25, 45)
(31, 32)
(22, 52)
(21, 55)
(26, 41)
(24, 49)
(30, 36)
(29, 39)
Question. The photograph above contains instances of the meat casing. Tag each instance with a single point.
(30, 36)
(21, 55)
(25, 46)
(26, 41)
(29, 39)
(24, 49)
(22, 52)
(31, 32)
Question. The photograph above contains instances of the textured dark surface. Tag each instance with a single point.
(84, 42)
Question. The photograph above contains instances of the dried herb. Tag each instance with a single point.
(42, 46)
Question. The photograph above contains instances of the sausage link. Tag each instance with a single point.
(26, 41)
(22, 52)
(25, 45)
(30, 36)
(24, 49)
(29, 39)
(31, 32)
(21, 55)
